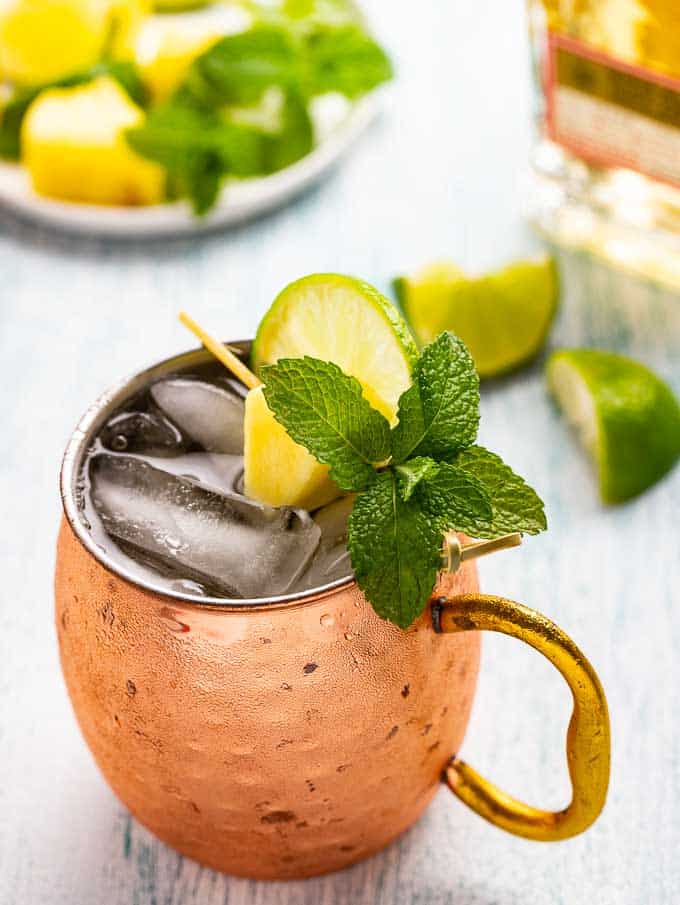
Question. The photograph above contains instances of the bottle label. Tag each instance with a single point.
(611, 113)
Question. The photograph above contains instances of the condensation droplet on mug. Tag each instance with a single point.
(327, 620)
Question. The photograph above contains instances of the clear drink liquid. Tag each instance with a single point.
(163, 494)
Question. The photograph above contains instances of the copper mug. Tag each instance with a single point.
(291, 736)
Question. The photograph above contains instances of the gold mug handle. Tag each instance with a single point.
(588, 735)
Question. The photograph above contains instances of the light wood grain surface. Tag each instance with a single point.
(440, 174)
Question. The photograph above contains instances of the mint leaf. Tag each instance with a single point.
(183, 141)
(197, 148)
(346, 60)
(126, 74)
(176, 136)
(200, 182)
(411, 473)
(324, 410)
(239, 68)
(410, 428)
(516, 506)
(395, 551)
(439, 413)
(294, 140)
(11, 118)
(455, 500)
(320, 12)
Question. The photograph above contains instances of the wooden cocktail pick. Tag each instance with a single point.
(222, 353)
(455, 553)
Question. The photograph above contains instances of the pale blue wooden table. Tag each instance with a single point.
(441, 174)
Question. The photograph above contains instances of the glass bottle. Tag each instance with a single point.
(606, 161)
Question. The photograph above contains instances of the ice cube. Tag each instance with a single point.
(233, 546)
(142, 432)
(209, 414)
(331, 560)
(217, 471)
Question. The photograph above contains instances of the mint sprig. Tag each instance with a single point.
(202, 134)
(414, 482)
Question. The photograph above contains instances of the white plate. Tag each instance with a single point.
(239, 200)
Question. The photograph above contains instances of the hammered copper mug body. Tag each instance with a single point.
(276, 738)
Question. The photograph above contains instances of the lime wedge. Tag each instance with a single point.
(628, 419)
(346, 321)
(503, 318)
(334, 318)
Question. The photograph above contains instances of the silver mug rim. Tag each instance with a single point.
(85, 431)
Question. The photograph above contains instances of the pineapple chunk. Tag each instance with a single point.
(126, 20)
(163, 56)
(42, 40)
(277, 470)
(74, 147)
